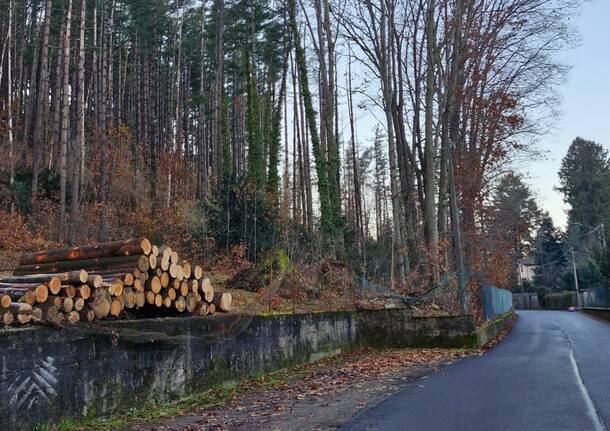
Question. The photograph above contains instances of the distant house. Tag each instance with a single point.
(526, 267)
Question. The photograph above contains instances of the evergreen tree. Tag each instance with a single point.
(516, 215)
(549, 255)
(585, 182)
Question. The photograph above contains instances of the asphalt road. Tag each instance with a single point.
(552, 372)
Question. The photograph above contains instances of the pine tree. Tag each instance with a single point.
(549, 255)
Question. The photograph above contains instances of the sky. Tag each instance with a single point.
(585, 105)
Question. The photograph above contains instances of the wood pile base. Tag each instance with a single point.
(120, 279)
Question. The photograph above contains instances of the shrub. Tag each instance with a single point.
(560, 300)
(238, 213)
(542, 292)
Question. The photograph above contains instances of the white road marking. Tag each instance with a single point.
(591, 410)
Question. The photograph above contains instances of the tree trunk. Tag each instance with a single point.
(11, 143)
(63, 149)
(79, 148)
(117, 248)
(430, 220)
(41, 100)
(100, 263)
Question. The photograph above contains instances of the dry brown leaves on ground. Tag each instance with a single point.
(321, 395)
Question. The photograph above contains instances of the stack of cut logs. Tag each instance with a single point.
(120, 279)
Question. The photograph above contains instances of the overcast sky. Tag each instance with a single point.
(585, 105)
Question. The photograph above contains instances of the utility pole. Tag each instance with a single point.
(575, 279)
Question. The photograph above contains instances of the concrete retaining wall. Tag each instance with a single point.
(47, 374)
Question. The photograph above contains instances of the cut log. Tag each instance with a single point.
(42, 293)
(190, 302)
(6, 301)
(18, 286)
(211, 309)
(53, 314)
(79, 304)
(52, 280)
(171, 292)
(152, 261)
(167, 302)
(129, 298)
(118, 271)
(29, 297)
(86, 315)
(150, 297)
(114, 287)
(57, 301)
(69, 290)
(158, 300)
(186, 269)
(174, 257)
(207, 289)
(116, 306)
(94, 280)
(165, 251)
(173, 270)
(83, 291)
(37, 314)
(99, 263)
(163, 263)
(164, 279)
(222, 301)
(155, 284)
(180, 303)
(54, 285)
(202, 308)
(8, 318)
(140, 299)
(101, 303)
(184, 288)
(143, 264)
(73, 317)
(193, 285)
(24, 318)
(15, 293)
(137, 285)
(128, 279)
(115, 248)
(20, 307)
(198, 272)
(155, 250)
(67, 305)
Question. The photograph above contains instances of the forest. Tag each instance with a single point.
(381, 134)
